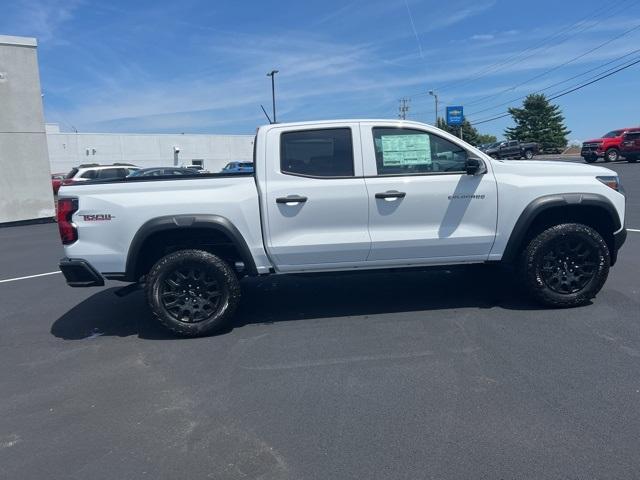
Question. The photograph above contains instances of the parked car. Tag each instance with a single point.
(513, 149)
(606, 147)
(343, 196)
(238, 167)
(162, 171)
(196, 168)
(56, 181)
(94, 171)
(630, 145)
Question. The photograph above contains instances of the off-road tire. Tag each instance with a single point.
(612, 155)
(590, 159)
(214, 294)
(541, 252)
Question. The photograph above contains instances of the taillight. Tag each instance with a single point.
(66, 208)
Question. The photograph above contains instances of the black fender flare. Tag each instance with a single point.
(186, 222)
(540, 204)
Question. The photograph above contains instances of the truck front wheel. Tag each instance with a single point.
(192, 292)
(566, 265)
(611, 155)
(528, 154)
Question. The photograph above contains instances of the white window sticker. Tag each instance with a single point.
(399, 150)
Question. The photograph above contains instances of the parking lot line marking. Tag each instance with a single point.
(29, 276)
(633, 230)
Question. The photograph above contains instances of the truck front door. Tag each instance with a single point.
(423, 207)
(315, 202)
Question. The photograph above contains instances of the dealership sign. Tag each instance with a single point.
(455, 115)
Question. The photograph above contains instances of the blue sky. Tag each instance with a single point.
(199, 66)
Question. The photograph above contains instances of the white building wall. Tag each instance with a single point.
(25, 183)
(68, 150)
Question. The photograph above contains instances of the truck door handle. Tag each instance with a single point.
(291, 199)
(391, 194)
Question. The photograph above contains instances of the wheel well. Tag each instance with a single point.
(593, 216)
(161, 243)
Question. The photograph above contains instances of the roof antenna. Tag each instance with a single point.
(266, 114)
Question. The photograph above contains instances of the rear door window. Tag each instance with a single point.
(323, 153)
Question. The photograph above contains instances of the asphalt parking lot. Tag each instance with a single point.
(442, 374)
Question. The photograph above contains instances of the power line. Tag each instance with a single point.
(567, 92)
(553, 69)
(615, 60)
(579, 27)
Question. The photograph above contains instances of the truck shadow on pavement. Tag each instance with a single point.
(289, 298)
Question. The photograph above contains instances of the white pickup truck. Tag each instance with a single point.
(342, 195)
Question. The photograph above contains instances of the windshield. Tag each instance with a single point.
(613, 134)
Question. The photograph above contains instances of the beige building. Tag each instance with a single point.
(25, 183)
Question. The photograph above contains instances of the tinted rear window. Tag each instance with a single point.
(110, 173)
(317, 153)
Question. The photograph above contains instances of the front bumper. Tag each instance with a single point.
(79, 273)
(591, 152)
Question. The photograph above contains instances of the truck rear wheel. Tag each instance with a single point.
(193, 292)
(565, 265)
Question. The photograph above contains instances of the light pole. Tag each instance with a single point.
(435, 96)
(272, 74)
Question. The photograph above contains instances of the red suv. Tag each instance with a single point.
(630, 146)
(607, 147)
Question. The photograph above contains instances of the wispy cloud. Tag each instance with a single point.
(413, 27)
(350, 59)
(44, 18)
(483, 36)
(463, 12)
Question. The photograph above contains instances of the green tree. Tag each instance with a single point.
(469, 133)
(538, 121)
(485, 138)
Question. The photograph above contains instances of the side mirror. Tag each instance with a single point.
(474, 166)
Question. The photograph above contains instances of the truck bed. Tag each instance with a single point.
(127, 204)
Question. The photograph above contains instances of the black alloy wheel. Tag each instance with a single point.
(193, 292)
(569, 264)
(190, 294)
(565, 265)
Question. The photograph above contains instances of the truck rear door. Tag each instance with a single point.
(315, 200)
(423, 207)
